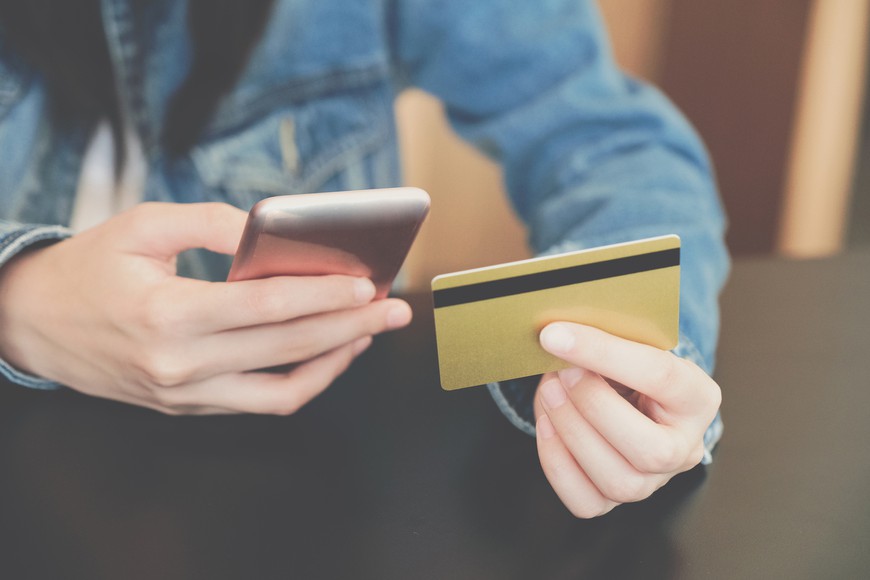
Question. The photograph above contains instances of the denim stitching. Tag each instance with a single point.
(13, 244)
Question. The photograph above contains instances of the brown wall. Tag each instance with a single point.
(733, 67)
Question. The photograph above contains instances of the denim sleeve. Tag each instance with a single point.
(15, 238)
(590, 156)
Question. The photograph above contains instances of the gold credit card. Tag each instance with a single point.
(487, 320)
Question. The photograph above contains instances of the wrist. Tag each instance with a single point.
(13, 309)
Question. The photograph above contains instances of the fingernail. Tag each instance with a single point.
(571, 376)
(545, 427)
(364, 290)
(554, 394)
(361, 344)
(557, 339)
(398, 316)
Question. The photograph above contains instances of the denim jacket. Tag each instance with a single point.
(590, 156)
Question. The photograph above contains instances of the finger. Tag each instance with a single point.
(163, 230)
(649, 446)
(267, 393)
(142, 398)
(200, 410)
(299, 340)
(570, 483)
(537, 405)
(609, 471)
(206, 307)
(674, 382)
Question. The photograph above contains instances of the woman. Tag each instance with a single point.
(230, 102)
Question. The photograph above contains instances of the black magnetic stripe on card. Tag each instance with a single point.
(556, 278)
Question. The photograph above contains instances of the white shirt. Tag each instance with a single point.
(98, 195)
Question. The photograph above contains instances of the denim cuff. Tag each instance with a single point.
(515, 399)
(11, 244)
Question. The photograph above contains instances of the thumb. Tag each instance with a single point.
(163, 230)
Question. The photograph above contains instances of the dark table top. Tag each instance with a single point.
(387, 476)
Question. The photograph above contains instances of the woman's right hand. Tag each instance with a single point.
(105, 313)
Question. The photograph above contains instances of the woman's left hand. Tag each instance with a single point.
(621, 422)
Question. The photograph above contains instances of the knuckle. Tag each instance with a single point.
(626, 489)
(288, 406)
(696, 456)
(590, 509)
(665, 374)
(160, 396)
(711, 393)
(163, 369)
(141, 211)
(158, 316)
(170, 410)
(267, 302)
(664, 458)
(286, 409)
(715, 400)
(138, 220)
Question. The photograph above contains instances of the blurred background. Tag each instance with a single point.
(775, 87)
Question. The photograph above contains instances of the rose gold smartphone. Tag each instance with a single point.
(358, 233)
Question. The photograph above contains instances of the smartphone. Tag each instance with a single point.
(365, 233)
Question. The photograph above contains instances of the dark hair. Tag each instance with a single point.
(64, 40)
